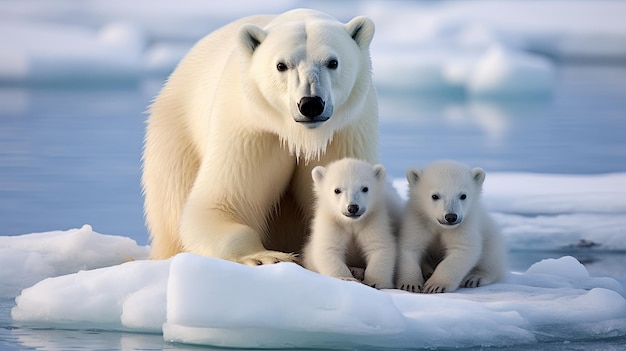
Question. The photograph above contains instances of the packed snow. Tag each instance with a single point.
(483, 49)
(205, 301)
(33, 257)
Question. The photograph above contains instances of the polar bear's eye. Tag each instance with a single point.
(435, 197)
(332, 64)
(463, 197)
(365, 189)
(337, 191)
(281, 67)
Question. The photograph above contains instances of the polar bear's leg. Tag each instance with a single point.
(380, 268)
(228, 210)
(230, 240)
(333, 264)
(169, 170)
(449, 273)
(413, 244)
(325, 253)
(492, 265)
(463, 249)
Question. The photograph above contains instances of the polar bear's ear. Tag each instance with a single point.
(413, 175)
(361, 29)
(479, 175)
(379, 172)
(318, 173)
(250, 37)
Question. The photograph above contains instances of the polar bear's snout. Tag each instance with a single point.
(312, 107)
(353, 211)
(313, 111)
(451, 219)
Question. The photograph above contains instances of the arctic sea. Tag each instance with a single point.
(70, 149)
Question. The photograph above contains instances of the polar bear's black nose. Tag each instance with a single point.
(451, 217)
(353, 209)
(311, 106)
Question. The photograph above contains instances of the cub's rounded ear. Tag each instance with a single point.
(250, 37)
(361, 30)
(479, 175)
(318, 173)
(379, 172)
(413, 175)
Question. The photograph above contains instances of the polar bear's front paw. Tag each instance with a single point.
(380, 285)
(472, 281)
(435, 286)
(268, 257)
(414, 287)
(410, 287)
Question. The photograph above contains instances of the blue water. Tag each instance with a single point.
(71, 156)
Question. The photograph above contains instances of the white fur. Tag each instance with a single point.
(464, 252)
(227, 155)
(341, 239)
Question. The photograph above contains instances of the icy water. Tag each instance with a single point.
(70, 156)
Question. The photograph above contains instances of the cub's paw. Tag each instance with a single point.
(268, 257)
(413, 287)
(378, 284)
(358, 273)
(472, 281)
(434, 286)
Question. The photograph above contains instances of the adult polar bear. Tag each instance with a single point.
(233, 135)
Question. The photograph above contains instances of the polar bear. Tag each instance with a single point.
(447, 236)
(233, 135)
(351, 226)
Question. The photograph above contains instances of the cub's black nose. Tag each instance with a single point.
(311, 106)
(451, 217)
(353, 209)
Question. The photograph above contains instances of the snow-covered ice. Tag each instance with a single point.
(27, 259)
(206, 301)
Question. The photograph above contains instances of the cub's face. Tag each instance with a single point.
(445, 193)
(349, 190)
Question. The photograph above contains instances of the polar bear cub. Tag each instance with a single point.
(447, 236)
(351, 226)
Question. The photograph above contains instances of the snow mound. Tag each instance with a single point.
(205, 301)
(33, 257)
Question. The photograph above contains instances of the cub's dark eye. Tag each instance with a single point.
(463, 197)
(281, 67)
(435, 197)
(365, 189)
(332, 64)
(337, 191)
